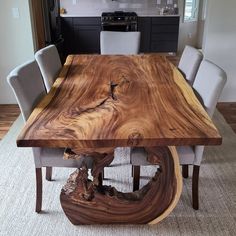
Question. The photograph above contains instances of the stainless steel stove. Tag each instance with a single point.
(119, 21)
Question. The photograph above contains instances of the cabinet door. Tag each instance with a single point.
(87, 34)
(87, 39)
(144, 26)
(81, 34)
(165, 33)
(164, 46)
(67, 34)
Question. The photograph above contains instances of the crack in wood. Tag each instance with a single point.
(112, 90)
(111, 94)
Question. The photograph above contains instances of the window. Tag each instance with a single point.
(191, 10)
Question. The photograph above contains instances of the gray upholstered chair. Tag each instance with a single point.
(27, 85)
(208, 85)
(189, 63)
(123, 43)
(49, 63)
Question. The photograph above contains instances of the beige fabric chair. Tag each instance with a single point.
(208, 85)
(49, 63)
(189, 63)
(27, 85)
(123, 43)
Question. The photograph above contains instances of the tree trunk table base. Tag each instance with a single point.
(89, 202)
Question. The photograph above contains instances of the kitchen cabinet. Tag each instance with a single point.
(81, 34)
(164, 34)
(144, 26)
(158, 34)
(67, 34)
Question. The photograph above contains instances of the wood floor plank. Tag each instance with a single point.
(228, 110)
(8, 114)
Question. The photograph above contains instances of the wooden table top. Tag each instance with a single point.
(114, 101)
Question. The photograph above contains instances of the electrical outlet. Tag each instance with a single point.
(74, 2)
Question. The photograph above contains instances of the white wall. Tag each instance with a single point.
(201, 22)
(190, 33)
(220, 42)
(16, 43)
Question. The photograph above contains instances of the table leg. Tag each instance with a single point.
(88, 202)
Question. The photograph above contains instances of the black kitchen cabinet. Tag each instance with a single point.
(67, 34)
(164, 34)
(144, 26)
(158, 34)
(87, 39)
(81, 34)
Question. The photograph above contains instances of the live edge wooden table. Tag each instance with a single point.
(100, 102)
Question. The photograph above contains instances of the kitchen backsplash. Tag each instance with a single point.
(96, 7)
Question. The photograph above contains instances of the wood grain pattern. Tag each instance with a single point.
(228, 110)
(8, 114)
(87, 202)
(110, 101)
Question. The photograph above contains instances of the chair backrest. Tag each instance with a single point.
(189, 63)
(209, 83)
(27, 84)
(49, 63)
(123, 43)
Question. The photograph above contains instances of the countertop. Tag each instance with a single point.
(139, 15)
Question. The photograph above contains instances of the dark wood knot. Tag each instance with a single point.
(134, 139)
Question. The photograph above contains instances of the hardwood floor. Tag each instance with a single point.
(8, 114)
(228, 110)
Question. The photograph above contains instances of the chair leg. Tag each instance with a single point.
(195, 187)
(39, 186)
(185, 171)
(100, 178)
(136, 177)
(49, 173)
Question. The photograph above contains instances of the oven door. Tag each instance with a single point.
(119, 26)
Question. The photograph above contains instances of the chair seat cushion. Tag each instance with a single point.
(186, 155)
(54, 157)
(138, 156)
